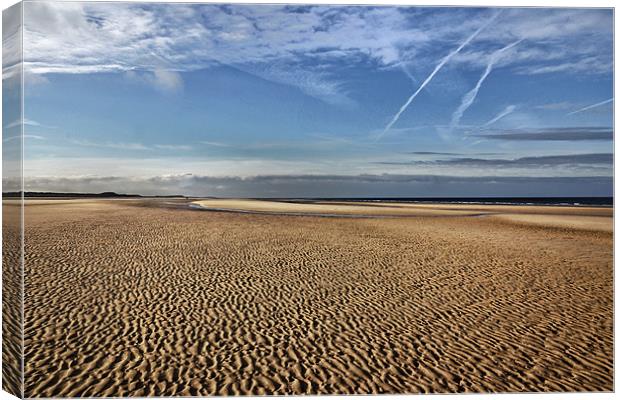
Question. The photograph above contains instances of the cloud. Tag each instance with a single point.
(215, 144)
(120, 37)
(433, 73)
(162, 80)
(131, 145)
(434, 153)
(195, 35)
(586, 65)
(168, 81)
(12, 46)
(591, 106)
(172, 147)
(25, 121)
(553, 134)
(431, 153)
(470, 96)
(560, 41)
(386, 185)
(564, 105)
(529, 162)
(111, 145)
(317, 84)
(265, 40)
(298, 48)
(18, 137)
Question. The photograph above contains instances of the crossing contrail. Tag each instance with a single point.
(430, 77)
(469, 98)
(591, 106)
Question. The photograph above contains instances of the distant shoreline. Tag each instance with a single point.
(102, 195)
(595, 201)
(538, 201)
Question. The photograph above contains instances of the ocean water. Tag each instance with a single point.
(556, 201)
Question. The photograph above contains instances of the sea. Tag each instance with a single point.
(539, 201)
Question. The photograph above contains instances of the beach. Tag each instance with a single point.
(145, 297)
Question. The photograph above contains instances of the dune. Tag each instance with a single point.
(150, 297)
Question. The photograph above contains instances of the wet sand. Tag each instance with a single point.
(149, 297)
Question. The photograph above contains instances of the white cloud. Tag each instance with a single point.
(558, 40)
(111, 145)
(168, 81)
(132, 145)
(11, 42)
(215, 144)
(19, 122)
(165, 40)
(162, 80)
(587, 65)
(562, 105)
(18, 137)
(174, 147)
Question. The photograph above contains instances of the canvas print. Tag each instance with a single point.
(232, 199)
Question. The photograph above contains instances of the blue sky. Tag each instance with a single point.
(256, 100)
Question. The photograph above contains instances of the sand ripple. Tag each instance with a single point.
(125, 300)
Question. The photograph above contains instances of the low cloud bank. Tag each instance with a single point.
(386, 185)
(552, 134)
(603, 159)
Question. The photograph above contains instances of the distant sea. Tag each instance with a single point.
(555, 201)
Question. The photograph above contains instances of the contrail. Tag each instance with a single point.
(469, 98)
(430, 77)
(508, 110)
(592, 106)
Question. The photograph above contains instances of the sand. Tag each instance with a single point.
(11, 298)
(322, 208)
(586, 218)
(148, 297)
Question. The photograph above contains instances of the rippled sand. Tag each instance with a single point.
(152, 298)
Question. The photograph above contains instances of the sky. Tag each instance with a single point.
(314, 101)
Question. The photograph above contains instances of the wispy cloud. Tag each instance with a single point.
(131, 145)
(18, 137)
(25, 122)
(602, 103)
(563, 105)
(183, 147)
(215, 144)
(433, 73)
(163, 80)
(585, 65)
(174, 38)
(111, 145)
